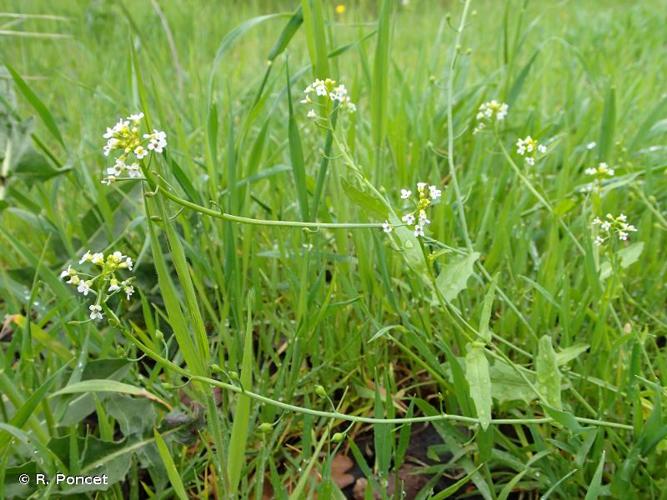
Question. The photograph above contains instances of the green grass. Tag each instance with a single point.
(274, 326)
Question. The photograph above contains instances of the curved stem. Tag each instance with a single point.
(257, 222)
(356, 418)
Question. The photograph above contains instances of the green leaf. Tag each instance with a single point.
(296, 155)
(172, 472)
(98, 385)
(595, 488)
(314, 26)
(239, 436)
(569, 353)
(479, 381)
(454, 276)
(508, 385)
(364, 198)
(487, 307)
(33, 166)
(37, 104)
(515, 91)
(629, 255)
(380, 87)
(548, 375)
(607, 126)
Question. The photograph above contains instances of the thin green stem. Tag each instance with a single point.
(257, 222)
(354, 418)
(539, 197)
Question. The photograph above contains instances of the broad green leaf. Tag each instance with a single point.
(629, 255)
(566, 355)
(479, 381)
(455, 274)
(508, 385)
(33, 167)
(548, 376)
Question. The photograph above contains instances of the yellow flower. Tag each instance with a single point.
(340, 8)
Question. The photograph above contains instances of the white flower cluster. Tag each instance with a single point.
(490, 111)
(103, 282)
(126, 137)
(418, 217)
(602, 170)
(613, 225)
(529, 148)
(598, 173)
(328, 89)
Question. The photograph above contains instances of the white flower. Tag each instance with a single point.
(421, 186)
(542, 148)
(409, 219)
(434, 192)
(311, 114)
(530, 161)
(140, 152)
(489, 111)
(591, 171)
(622, 235)
(405, 194)
(419, 231)
(136, 117)
(157, 141)
(590, 145)
(622, 217)
(423, 219)
(599, 240)
(597, 221)
(87, 257)
(97, 259)
(605, 226)
(84, 287)
(113, 285)
(95, 312)
(133, 170)
(386, 227)
(129, 290)
(69, 272)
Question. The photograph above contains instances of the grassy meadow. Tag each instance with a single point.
(440, 276)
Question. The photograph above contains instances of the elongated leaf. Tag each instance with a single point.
(237, 442)
(230, 39)
(98, 385)
(380, 87)
(296, 156)
(454, 276)
(172, 472)
(37, 104)
(515, 91)
(595, 487)
(607, 126)
(487, 306)
(477, 374)
(548, 375)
